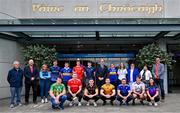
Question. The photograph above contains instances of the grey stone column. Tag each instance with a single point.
(163, 45)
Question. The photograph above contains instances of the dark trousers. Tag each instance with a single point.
(44, 87)
(115, 83)
(160, 83)
(99, 84)
(156, 99)
(15, 92)
(103, 98)
(70, 97)
(95, 98)
(120, 99)
(28, 86)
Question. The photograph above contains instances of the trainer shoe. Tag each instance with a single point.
(79, 104)
(42, 101)
(87, 104)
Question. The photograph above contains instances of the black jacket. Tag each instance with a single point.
(101, 72)
(28, 75)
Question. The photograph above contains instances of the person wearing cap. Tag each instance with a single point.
(74, 90)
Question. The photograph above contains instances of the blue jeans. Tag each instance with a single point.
(15, 92)
(44, 87)
(62, 99)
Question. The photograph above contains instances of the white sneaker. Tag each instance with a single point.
(42, 101)
(74, 98)
(71, 103)
(87, 104)
(19, 104)
(95, 104)
(155, 104)
(46, 100)
(150, 104)
(79, 104)
(12, 106)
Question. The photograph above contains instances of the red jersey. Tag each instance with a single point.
(74, 85)
(79, 70)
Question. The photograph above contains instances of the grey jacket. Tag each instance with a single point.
(161, 70)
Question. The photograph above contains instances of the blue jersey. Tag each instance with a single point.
(89, 72)
(113, 74)
(124, 89)
(55, 70)
(66, 73)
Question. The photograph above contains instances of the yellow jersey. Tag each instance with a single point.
(108, 89)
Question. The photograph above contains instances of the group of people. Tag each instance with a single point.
(88, 83)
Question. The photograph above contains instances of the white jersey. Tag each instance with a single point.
(138, 87)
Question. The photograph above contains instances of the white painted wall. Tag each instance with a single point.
(9, 51)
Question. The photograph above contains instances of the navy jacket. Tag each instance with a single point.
(28, 75)
(15, 77)
(101, 72)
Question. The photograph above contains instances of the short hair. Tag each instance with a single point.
(16, 62)
(123, 79)
(59, 77)
(138, 77)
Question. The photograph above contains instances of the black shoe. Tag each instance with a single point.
(112, 103)
(104, 103)
(26, 103)
(142, 102)
(121, 102)
(35, 102)
(133, 103)
(127, 104)
(62, 107)
(53, 107)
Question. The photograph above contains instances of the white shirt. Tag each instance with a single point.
(131, 75)
(138, 87)
(122, 73)
(148, 74)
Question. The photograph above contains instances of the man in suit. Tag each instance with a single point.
(31, 74)
(101, 74)
(158, 74)
(133, 72)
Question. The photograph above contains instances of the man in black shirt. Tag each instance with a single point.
(91, 92)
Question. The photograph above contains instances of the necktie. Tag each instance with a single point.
(31, 69)
(157, 71)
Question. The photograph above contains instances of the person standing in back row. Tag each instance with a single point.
(31, 74)
(101, 74)
(15, 80)
(158, 73)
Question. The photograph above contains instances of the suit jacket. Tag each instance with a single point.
(101, 72)
(28, 75)
(135, 74)
(161, 70)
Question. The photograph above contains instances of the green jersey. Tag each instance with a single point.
(57, 88)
